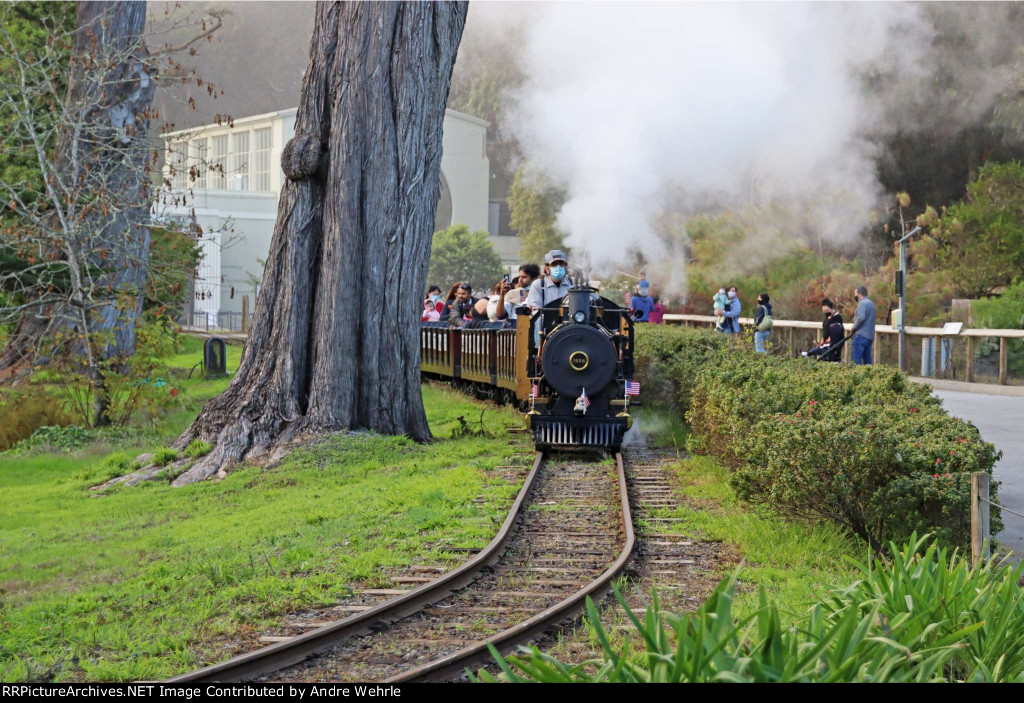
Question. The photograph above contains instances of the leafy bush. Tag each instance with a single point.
(23, 412)
(55, 437)
(861, 446)
(668, 359)
(1004, 312)
(132, 387)
(924, 616)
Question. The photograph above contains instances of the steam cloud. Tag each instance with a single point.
(737, 102)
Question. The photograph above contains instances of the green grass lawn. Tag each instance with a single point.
(132, 584)
(796, 562)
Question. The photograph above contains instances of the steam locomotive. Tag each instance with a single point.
(565, 366)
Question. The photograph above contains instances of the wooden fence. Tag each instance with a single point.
(935, 341)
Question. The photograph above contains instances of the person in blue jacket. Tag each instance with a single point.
(641, 304)
(731, 316)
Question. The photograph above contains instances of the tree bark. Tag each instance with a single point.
(334, 342)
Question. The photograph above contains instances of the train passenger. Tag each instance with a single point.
(449, 299)
(465, 308)
(731, 314)
(434, 296)
(528, 273)
(641, 304)
(552, 287)
(430, 313)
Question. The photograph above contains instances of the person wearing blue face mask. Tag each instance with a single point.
(552, 287)
(641, 304)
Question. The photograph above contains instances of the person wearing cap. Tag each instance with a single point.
(552, 287)
(641, 304)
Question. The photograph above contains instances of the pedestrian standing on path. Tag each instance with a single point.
(863, 327)
(762, 323)
(731, 315)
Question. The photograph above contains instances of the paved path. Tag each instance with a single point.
(1001, 421)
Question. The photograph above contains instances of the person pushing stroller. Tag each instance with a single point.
(830, 348)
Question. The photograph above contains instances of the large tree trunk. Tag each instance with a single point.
(116, 143)
(102, 194)
(335, 337)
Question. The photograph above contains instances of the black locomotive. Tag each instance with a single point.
(565, 366)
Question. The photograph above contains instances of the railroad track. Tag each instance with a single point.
(568, 535)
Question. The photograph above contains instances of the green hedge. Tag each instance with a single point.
(861, 446)
(668, 359)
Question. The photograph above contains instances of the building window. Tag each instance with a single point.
(179, 164)
(219, 176)
(240, 162)
(200, 164)
(261, 159)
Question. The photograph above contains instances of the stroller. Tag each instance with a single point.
(831, 351)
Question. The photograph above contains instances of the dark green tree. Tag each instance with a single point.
(533, 207)
(460, 255)
(982, 237)
(33, 29)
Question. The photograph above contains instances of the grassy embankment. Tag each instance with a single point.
(131, 585)
(795, 562)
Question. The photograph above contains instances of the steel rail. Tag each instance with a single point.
(301, 647)
(541, 623)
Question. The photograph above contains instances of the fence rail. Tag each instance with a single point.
(966, 354)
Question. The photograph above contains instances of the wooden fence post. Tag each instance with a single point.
(979, 516)
(1002, 361)
(245, 314)
(970, 359)
(876, 350)
(792, 346)
(937, 341)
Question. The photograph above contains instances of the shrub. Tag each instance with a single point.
(55, 438)
(23, 412)
(861, 446)
(668, 359)
(925, 616)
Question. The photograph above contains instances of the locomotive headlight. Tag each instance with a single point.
(580, 316)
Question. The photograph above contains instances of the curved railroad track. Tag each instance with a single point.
(567, 536)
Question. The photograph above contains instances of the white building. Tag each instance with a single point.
(236, 202)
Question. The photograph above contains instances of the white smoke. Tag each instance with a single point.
(623, 101)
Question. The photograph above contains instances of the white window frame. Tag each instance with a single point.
(221, 149)
(200, 152)
(178, 158)
(240, 179)
(262, 143)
